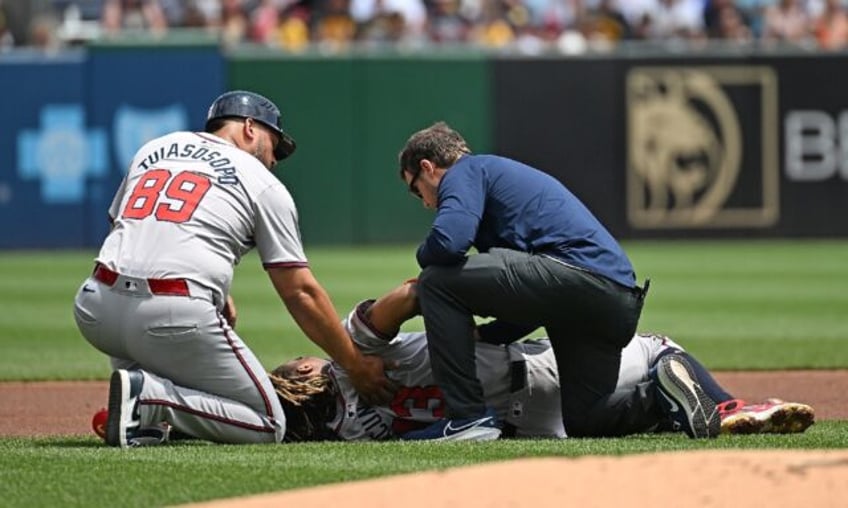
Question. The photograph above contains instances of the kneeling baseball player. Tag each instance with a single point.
(519, 379)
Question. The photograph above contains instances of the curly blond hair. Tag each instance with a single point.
(309, 405)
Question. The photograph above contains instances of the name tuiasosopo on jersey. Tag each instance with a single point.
(191, 205)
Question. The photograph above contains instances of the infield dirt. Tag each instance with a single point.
(65, 408)
(708, 478)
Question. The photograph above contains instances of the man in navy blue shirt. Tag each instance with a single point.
(544, 260)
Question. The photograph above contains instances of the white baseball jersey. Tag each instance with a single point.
(520, 382)
(208, 214)
(190, 206)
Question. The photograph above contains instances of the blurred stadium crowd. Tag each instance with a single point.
(523, 26)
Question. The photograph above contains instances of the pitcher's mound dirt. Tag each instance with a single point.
(681, 480)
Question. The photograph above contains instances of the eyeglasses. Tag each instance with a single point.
(413, 189)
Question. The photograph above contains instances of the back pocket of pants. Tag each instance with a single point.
(173, 333)
(88, 325)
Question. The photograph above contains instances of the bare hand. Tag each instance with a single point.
(371, 382)
(229, 312)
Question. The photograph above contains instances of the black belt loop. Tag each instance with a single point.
(645, 288)
(518, 375)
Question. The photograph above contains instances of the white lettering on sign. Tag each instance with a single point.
(816, 145)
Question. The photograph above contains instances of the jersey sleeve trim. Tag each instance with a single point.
(363, 323)
(287, 264)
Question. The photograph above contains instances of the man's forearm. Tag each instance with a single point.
(391, 310)
(311, 307)
(316, 316)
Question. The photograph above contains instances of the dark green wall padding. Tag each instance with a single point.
(350, 117)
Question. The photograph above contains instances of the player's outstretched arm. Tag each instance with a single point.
(310, 306)
(394, 308)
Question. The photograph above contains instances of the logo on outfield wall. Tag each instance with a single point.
(133, 127)
(702, 147)
(62, 153)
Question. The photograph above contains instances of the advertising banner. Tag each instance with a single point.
(673, 147)
(75, 121)
(49, 151)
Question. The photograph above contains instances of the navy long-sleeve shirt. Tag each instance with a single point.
(488, 201)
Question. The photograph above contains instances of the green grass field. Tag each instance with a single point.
(735, 305)
(757, 305)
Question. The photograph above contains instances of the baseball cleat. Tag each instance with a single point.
(483, 428)
(145, 436)
(684, 401)
(124, 421)
(773, 417)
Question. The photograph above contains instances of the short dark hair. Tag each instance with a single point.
(437, 143)
(217, 124)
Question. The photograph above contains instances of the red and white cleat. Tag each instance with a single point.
(772, 417)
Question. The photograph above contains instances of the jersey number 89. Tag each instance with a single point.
(184, 192)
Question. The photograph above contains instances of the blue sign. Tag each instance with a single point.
(76, 122)
(45, 123)
(133, 127)
(61, 153)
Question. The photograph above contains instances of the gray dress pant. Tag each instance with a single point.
(588, 318)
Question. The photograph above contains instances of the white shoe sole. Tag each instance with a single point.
(678, 382)
(475, 434)
(120, 409)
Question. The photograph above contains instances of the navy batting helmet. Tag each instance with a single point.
(242, 104)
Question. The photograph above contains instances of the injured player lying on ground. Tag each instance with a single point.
(519, 379)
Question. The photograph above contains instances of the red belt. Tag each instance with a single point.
(170, 287)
